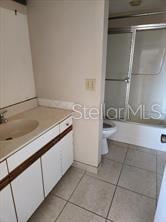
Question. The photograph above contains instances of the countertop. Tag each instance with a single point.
(47, 118)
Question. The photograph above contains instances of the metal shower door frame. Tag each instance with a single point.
(133, 30)
(131, 58)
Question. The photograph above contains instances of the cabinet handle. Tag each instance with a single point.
(67, 124)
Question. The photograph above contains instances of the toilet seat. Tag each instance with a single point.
(108, 127)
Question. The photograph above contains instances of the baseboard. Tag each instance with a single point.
(86, 167)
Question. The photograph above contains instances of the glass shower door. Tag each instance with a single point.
(149, 77)
(120, 51)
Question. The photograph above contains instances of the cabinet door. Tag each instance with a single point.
(66, 145)
(28, 191)
(51, 166)
(7, 211)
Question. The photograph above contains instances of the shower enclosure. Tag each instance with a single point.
(135, 88)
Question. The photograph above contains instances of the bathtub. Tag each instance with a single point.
(146, 133)
(152, 122)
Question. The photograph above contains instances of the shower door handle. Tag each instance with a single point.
(127, 80)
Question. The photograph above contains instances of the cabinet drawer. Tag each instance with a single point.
(23, 154)
(3, 170)
(65, 124)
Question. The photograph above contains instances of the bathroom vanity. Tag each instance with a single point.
(32, 164)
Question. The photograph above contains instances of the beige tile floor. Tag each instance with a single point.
(125, 189)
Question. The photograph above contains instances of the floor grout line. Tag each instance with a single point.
(140, 168)
(61, 211)
(95, 177)
(60, 197)
(126, 164)
(125, 188)
(142, 149)
(130, 149)
(116, 185)
(85, 173)
(105, 158)
(141, 194)
(87, 209)
(146, 150)
(70, 202)
(67, 201)
(77, 185)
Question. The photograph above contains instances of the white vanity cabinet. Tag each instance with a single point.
(51, 166)
(34, 170)
(58, 159)
(28, 191)
(7, 211)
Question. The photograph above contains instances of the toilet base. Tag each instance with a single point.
(104, 149)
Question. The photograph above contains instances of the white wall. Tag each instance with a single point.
(68, 43)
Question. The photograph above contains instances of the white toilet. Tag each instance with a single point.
(108, 130)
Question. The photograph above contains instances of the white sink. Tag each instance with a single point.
(17, 128)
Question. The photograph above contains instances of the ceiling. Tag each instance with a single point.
(123, 6)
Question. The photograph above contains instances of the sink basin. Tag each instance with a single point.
(17, 128)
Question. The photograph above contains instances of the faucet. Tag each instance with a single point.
(2, 118)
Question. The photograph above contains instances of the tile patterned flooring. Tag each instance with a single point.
(125, 189)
